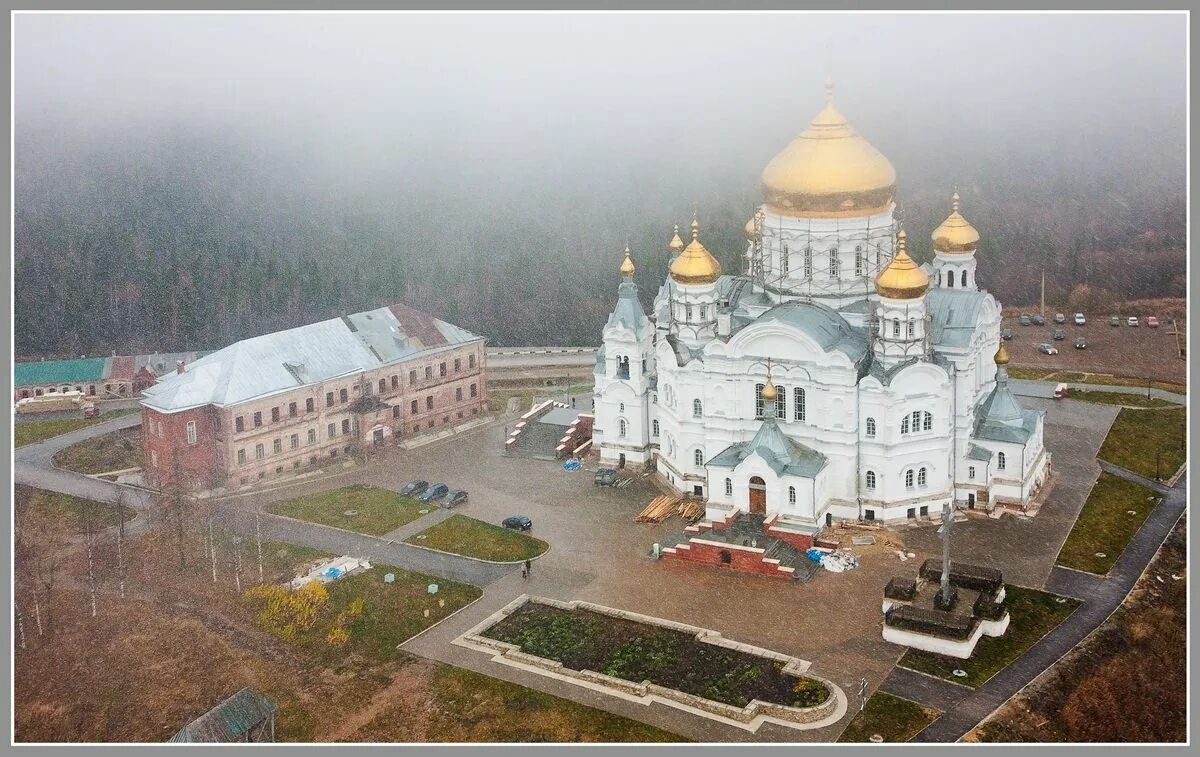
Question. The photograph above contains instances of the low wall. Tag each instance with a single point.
(749, 717)
(744, 559)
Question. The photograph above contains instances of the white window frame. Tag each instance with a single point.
(191, 432)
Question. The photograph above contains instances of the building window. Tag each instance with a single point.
(688, 317)
(395, 382)
(783, 261)
(964, 276)
(871, 480)
(912, 513)
(758, 401)
(278, 446)
(908, 478)
(441, 370)
(799, 410)
(241, 457)
(428, 372)
(257, 419)
(791, 495)
(971, 472)
(654, 427)
(470, 361)
(382, 386)
(457, 364)
(239, 424)
(458, 394)
(869, 514)
(346, 426)
(781, 404)
(331, 431)
(858, 261)
(474, 390)
(259, 453)
(895, 328)
(728, 487)
(916, 420)
(621, 407)
(870, 428)
(412, 376)
(429, 402)
(698, 458)
(395, 411)
(295, 440)
(309, 405)
(328, 399)
(912, 328)
(412, 409)
(343, 395)
(927, 421)
(808, 262)
(1001, 462)
(922, 477)
(191, 432)
(904, 425)
(835, 264)
(621, 427)
(697, 408)
(312, 436)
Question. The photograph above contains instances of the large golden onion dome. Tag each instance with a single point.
(676, 244)
(695, 265)
(829, 171)
(902, 278)
(1002, 355)
(956, 234)
(627, 267)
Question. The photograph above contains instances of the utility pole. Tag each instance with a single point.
(1043, 292)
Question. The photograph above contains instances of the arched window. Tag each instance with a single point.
(904, 425)
(912, 328)
(688, 317)
(964, 277)
(916, 420)
(798, 408)
(858, 261)
(950, 279)
(758, 400)
(939, 279)
(728, 487)
(871, 480)
(703, 312)
(781, 404)
(927, 421)
(791, 495)
(697, 408)
(654, 426)
(621, 407)
(783, 261)
(871, 428)
(908, 478)
(622, 426)
(698, 457)
(1001, 462)
(896, 328)
(834, 263)
(922, 477)
(808, 262)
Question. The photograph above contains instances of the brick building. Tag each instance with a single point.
(279, 403)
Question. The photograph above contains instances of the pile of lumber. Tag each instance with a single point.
(658, 510)
(691, 509)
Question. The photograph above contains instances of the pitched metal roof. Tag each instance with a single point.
(1001, 418)
(954, 314)
(58, 371)
(628, 311)
(229, 721)
(822, 324)
(785, 455)
(271, 363)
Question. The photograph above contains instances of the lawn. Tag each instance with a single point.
(633, 651)
(1033, 615)
(461, 535)
(1139, 438)
(386, 614)
(373, 511)
(62, 511)
(1074, 377)
(893, 718)
(119, 450)
(1029, 374)
(1105, 525)
(1119, 398)
(29, 433)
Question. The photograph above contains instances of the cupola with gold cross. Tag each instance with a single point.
(954, 244)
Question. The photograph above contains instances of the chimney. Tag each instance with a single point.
(179, 366)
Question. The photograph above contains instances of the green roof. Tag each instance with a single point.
(58, 372)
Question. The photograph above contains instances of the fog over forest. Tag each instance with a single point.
(183, 181)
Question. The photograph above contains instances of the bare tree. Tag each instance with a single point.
(258, 540)
(119, 506)
(213, 548)
(20, 623)
(87, 514)
(39, 552)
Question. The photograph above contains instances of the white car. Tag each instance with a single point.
(1133, 321)
(1048, 349)
(1079, 319)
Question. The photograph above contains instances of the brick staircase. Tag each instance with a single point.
(746, 543)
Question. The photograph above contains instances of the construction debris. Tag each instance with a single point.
(659, 509)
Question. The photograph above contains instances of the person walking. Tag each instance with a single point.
(525, 570)
(528, 568)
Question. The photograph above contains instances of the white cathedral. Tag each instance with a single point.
(833, 377)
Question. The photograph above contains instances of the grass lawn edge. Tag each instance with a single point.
(408, 543)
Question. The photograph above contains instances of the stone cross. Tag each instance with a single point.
(947, 517)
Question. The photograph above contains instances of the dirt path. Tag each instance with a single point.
(406, 691)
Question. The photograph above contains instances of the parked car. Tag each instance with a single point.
(1114, 320)
(1047, 348)
(1079, 319)
(605, 477)
(1006, 334)
(1059, 335)
(1060, 318)
(91, 411)
(1038, 320)
(1024, 320)
(414, 488)
(434, 492)
(454, 498)
(1152, 321)
(1133, 321)
(1081, 343)
(517, 522)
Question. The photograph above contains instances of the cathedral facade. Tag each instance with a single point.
(832, 377)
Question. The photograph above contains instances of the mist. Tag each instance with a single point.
(491, 167)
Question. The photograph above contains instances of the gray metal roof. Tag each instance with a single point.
(628, 311)
(954, 314)
(822, 324)
(229, 721)
(975, 452)
(785, 455)
(1001, 418)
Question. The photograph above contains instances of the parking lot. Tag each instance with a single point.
(1119, 350)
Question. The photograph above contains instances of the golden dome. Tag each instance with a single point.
(769, 392)
(902, 278)
(627, 267)
(829, 171)
(956, 234)
(1002, 355)
(695, 265)
(676, 244)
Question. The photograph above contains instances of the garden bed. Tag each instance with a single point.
(667, 656)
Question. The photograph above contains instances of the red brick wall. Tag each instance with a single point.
(166, 443)
(741, 559)
(799, 541)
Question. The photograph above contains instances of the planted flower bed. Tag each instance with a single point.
(581, 639)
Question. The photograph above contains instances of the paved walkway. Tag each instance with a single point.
(1045, 389)
(1101, 595)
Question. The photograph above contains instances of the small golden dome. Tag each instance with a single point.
(769, 392)
(627, 267)
(1002, 355)
(902, 278)
(829, 171)
(676, 244)
(695, 265)
(956, 234)
(750, 228)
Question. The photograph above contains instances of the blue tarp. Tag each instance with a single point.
(573, 464)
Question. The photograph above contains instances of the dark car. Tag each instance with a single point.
(1081, 343)
(605, 477)
(1025, 320)
(454, 498)
(517, 522)
(1059, 335)
(1006, 334)
(414, 488)
(91, 411)
(1038, 320)
(434, 492)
